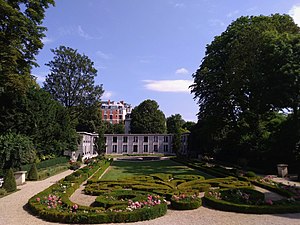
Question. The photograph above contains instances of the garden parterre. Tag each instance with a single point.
(146, 197)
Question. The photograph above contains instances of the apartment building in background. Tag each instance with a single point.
(115, 112)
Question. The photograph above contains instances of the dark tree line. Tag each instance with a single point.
(248, 91)
(37, 122)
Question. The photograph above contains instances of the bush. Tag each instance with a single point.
(250, 174)
(9, 181)
(33, 173)
(2, 192)
(47, 163)
(185, 202)
(75, 166)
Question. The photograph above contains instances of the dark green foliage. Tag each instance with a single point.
(33, 173)
(250, 174)
(188, 203)
(148, 119)
(71, 81)
(47, 163)
(248, 75)
(175, 124)
(9, 181)
(15, 149)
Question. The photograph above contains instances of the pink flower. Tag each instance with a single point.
(38, 199)
(269, 202)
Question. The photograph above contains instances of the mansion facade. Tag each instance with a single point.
(128, 144)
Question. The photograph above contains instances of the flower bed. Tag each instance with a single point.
(248, 201)
(186, 202)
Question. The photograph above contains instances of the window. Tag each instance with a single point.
(110, 117)
(105, 117)
(135, 139)
(135, 148)
(145, 138)
(124, 148)
(145, 148)
(155, 148)
(125, 139)
(115, 149)
(166, 148)
(166, 139)
(105, 139)
(120, 117)
(155, 139)
(115, 139)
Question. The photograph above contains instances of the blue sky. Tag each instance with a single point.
(147, 49)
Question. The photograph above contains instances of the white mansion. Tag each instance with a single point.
(129, 144)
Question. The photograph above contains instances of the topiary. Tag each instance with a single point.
(33, 173)
(10, 184)
(250, 174)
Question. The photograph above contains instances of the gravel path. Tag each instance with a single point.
(13, 213)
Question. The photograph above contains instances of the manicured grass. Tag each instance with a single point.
(122, 170)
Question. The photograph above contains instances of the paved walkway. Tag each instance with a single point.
(12, 212)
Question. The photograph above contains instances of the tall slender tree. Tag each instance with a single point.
(72, 81)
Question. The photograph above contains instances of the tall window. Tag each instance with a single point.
(115, 139)
(155, 148)
(145, 138)
(145, 148)
(135, 148)
(135, 139)
(125, 139)
(155, 138)
(166, 139)
(124, 148)
(115, 149)
(166, 148)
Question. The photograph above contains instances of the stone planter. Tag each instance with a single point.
(282, 170)
(20, 177)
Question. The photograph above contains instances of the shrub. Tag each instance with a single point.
(33, 173)
(75, 166)
(185, 202)
(9, 181)
(250, 174)
(2, 192)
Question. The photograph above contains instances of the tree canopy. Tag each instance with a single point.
(21, 36)
(249, 74)
(146, 118)
(72, 80)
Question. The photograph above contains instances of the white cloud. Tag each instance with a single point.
(46, 40)
(168, 85)
(233, 13)
(182, 71)
(40, 78)
(107, 95)
(216, 22)
(83, 33)
(295, 14)
(103, 55)
(179, 5)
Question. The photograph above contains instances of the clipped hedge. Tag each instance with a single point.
(252, 209)
(66, 212)
(186, 204)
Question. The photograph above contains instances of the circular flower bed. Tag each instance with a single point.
(186, 202)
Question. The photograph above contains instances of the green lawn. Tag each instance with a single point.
(122, 170)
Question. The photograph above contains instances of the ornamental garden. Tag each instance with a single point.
(128, 191)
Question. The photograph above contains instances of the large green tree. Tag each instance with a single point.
(21, 34)
(147, 118)
(72, 81)
(250, 71)
(15, 150)
(175, 124)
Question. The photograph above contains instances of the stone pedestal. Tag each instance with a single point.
(282, 170)
(20, 177)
